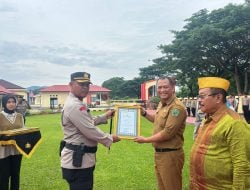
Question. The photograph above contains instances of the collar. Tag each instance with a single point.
(168, 102)
(76, 98)
(73, 96)
(219, 113)
(8, 114)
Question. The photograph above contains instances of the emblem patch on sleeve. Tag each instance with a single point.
(175, 112)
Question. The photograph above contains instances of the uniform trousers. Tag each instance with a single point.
(193, 110)
(246, 113)
(79, 179)
(188, 111)
(168, 169)
(10, 170)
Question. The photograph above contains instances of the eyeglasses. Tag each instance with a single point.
(201, 96)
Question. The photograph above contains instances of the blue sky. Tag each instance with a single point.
(43, 41)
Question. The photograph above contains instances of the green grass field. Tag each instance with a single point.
(127, 166)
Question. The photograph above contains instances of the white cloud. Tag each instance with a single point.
(43, 41)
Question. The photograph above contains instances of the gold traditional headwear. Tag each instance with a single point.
(213, 82)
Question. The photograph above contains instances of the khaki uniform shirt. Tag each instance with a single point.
(193, 103)
(79, 127)
(188, 103)
(170, 120)
(22, 108)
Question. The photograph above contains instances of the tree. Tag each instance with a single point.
(114, 84)
(162, 67)
(131, 88)
(123, 89)
(211, 44)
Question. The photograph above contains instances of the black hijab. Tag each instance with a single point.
(5, 100)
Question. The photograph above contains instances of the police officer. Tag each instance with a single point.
(81, 135)
(167, 139)
(22, 106)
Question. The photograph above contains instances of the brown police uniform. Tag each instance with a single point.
(79, 127)
(170, 120)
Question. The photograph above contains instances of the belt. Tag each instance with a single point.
(87, 149)
(166, 149)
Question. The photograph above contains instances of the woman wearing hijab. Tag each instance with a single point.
(10, 158)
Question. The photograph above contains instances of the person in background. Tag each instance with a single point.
(229, 103)
(184, 101)
(198, 120)
(246, 107)
(22, 106)
(234, 102)
(221, 152)
(81, 136)
(10, 158)
(167, 139)
(193, 106)
(188, 106)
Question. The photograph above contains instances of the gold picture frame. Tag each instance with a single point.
(127, 121)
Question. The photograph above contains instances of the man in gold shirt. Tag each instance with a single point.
(221, 153)
(167, 139)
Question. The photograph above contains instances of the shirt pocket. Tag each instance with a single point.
(161, 119)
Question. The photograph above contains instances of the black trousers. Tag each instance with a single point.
(188, 111)
(193, 111)
(246, 113)
(24, 119)
(79, 179)
(10, 171)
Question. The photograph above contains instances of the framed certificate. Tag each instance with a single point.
(127, 121)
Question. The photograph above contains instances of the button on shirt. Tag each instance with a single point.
(79, 127)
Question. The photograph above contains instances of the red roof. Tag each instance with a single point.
(66, 88)
(95, 88)
(9, 85)
(5, 91)
(56, 88)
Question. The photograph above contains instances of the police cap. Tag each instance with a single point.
(81, 77)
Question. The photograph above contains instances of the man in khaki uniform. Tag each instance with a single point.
(81, 135)
(22, 106)
(167, 139)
